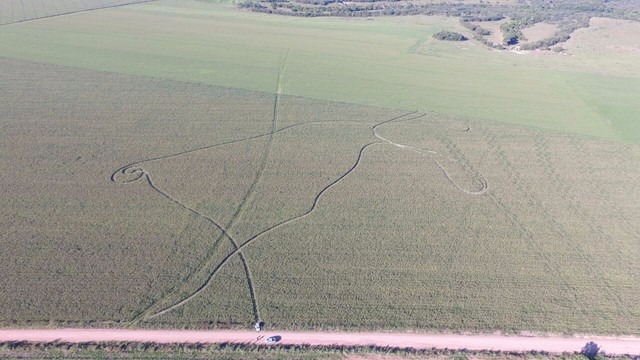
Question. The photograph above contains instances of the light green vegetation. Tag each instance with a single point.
(390, 62)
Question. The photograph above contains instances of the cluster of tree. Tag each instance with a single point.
(449, 36)
(149, 350)
(327, 2)
(546, 44)
(511, 32)
(568, 15)
(474, 27)
(369, 8)
(486, 42)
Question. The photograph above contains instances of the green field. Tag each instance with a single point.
(188, 164)
(390, 62)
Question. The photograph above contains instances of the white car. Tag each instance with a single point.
(272, 339)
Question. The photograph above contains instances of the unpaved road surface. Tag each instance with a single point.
(610, 345)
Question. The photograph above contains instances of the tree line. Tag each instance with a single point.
(568, 15)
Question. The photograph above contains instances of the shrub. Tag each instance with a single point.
(449, 36)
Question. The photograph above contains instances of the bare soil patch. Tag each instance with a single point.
(606, 36)
(539, 31)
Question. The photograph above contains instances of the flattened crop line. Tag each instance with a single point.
(267, 150)
(551, 266)
(256, 181)
(137, 172)
(484, 187)
(417, 46)
(542, 147)
(279, 83)
(452, 148)
(429, 153)
(252, 239)
(225, 233)
(133, 172)
(25, 19)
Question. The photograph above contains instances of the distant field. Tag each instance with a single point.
(391, 62)
(128, 200)
(13, 11)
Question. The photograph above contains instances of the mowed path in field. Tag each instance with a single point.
(609, 345)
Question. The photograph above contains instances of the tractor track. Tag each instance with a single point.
(262, 233)
(541, 145)
(431, 155)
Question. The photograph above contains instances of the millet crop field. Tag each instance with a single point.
(189, 164)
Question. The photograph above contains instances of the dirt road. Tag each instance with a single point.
(609, 345)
